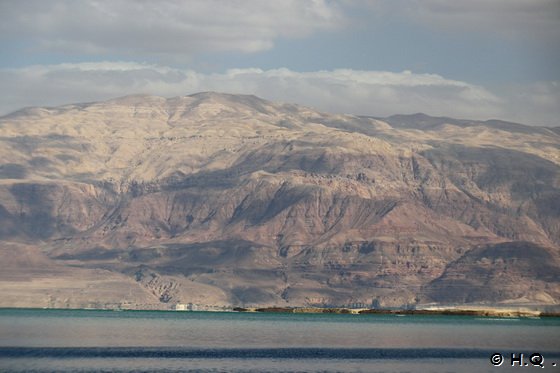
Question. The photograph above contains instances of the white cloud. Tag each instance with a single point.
(377, 93)
(179, 29)
(533, 19)
(165, 28)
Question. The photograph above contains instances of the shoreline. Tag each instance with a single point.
(482, 312)
(476, 312)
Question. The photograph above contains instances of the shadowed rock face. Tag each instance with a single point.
(234, 200)
(500, 272)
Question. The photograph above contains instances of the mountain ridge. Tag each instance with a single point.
(234, 200)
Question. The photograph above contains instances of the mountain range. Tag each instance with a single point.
(231, 200)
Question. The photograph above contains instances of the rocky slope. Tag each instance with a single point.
(224, 199)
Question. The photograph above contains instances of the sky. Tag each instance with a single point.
(476, 59)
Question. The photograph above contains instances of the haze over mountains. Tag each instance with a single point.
(221, 199)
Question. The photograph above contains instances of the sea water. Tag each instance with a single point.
(155, 341)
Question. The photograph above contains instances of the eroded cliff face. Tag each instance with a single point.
(233, 200)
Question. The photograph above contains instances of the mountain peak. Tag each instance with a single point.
(136, 99)
(420, 121)
(221, 95)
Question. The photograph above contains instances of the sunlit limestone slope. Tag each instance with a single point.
(234, 200)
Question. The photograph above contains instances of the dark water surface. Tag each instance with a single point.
(138, 341)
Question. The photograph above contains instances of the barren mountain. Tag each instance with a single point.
(224, 199)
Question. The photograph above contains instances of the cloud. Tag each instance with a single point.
(378, 93)
(174, 28)
(536, 101)
(533, 19)
(165, 28)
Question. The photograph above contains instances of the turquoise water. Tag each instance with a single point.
(130, 341)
